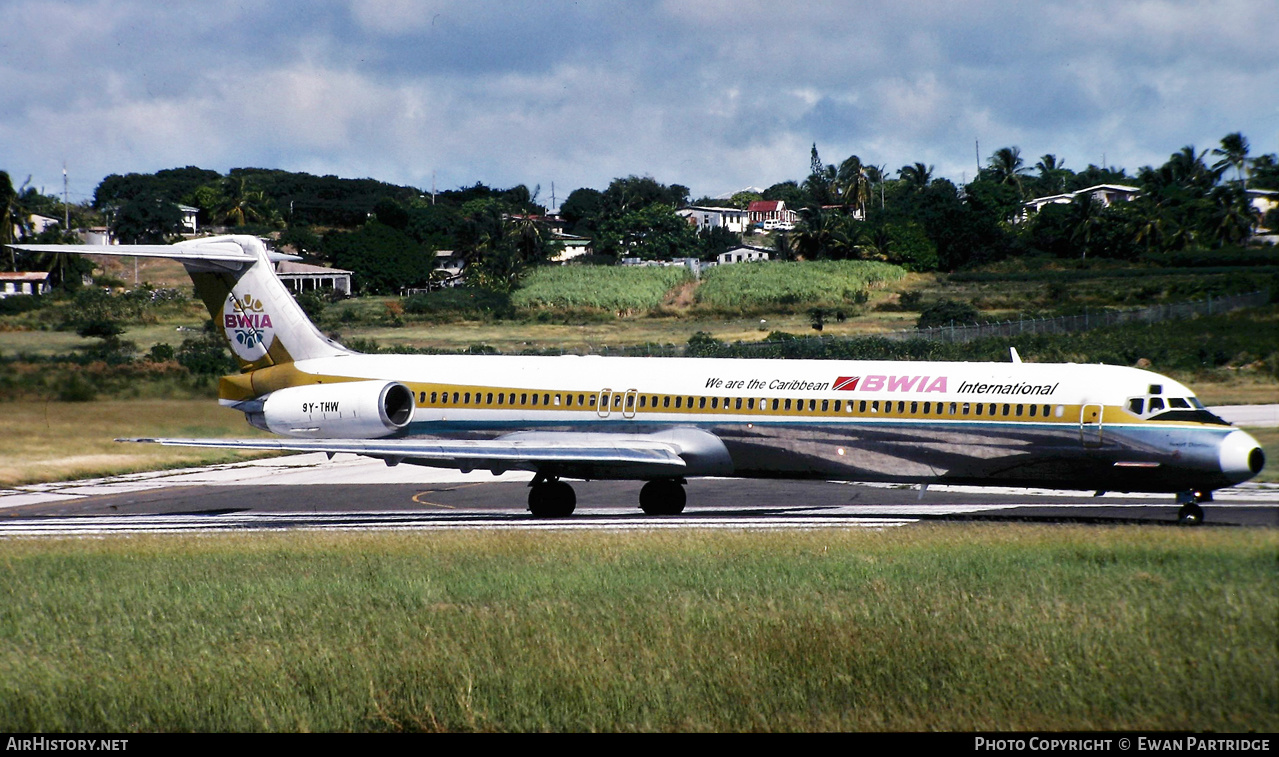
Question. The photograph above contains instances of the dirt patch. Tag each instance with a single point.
(681, 297)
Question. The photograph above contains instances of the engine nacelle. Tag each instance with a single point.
(350, 410)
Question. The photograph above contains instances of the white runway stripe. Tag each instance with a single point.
(512, 520)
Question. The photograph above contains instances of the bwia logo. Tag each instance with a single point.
(248, 327)
(918, 384)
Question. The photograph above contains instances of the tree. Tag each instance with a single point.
(1233, 152)
(243, 204)
(11, 215)
(146, 221)
(916, 176)
(1007, 167)
(1052, 174)
(382, 259)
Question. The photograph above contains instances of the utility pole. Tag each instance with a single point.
(66, 207)
(977, 151)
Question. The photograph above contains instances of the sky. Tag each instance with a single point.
(714, 95)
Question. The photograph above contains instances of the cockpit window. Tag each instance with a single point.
(1198, 405)
(1136, 405)
(1178, 402)
(1156, 388)
(1156, 404)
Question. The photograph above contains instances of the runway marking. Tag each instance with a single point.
(606, 519)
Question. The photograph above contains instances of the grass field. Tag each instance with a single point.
(56, 441)
(954, 628)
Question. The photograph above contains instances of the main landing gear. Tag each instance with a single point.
(1191, 514)
(663, 496)
(551, 498)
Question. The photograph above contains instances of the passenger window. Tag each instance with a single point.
(901, 408)
(812, 405)
(965, 408)
(524, 398)
(678, 402)
(467, 398)
(874, 406)
(952, 408)
(630, 400)
(837, 405)
(1032, 410)
(775, 403)
(666, 402)
(488, 399)
(534, 400)
(788, 404)
(433, 398)
(1006, 410)
(825, 405)
(928, 408)
(701, 403)
(738, 405)
(1019, 410)
(500, 398)
(862, 407)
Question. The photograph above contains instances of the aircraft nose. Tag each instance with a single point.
(1240, 455)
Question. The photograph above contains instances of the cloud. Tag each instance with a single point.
(715, 95)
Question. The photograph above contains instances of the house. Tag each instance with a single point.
(703, 218)
(449, 265)
(189, 215)
(570, 247)
(23, 282)
(1262, 200)
(744, 254)
(1106, 194)
(300, 277)
(762, 211)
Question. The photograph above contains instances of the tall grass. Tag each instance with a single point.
(615, 288)
(757, 286)
(959, 627)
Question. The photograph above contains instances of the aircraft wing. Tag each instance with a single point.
(577, 455)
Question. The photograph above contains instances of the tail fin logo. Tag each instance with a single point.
(248, 327)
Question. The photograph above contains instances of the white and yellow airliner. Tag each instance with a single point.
(663, 420)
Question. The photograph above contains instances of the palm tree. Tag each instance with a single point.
(242, 204)
(1052, 172)
(1085, 220)
(1233, 152)
(1187, 169)
(13, 216)
(917, 176)
(852, 184)
(1008, 167)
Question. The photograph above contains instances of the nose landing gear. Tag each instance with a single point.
(1190, 513)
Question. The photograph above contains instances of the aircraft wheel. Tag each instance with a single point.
(552, 499)
(663, 497)
(1190, 514)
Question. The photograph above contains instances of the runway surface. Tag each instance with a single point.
(350, 493)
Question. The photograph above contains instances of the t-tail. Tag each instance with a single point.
(235, 278)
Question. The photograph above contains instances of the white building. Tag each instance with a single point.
(1106, 194)
(570, 247)
(23, 282)
(744, 254)
(710, 218)
(300, 277)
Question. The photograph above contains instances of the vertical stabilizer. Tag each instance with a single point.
(249, 305)
(261, 321)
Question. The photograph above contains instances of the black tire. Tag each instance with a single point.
(1190, 514)
(552, 499)
(663, 497)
